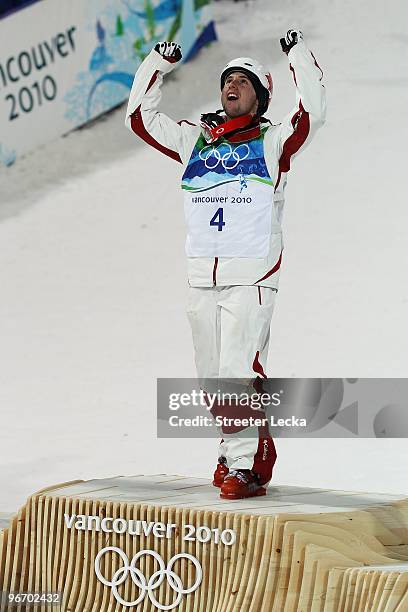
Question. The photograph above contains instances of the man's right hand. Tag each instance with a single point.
(170, 51)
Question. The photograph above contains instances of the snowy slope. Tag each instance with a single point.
(92, 268)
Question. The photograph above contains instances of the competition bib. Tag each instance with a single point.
(228, 199)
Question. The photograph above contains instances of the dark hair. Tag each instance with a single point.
(262, 94)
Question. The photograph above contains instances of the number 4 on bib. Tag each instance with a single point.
(218, 219)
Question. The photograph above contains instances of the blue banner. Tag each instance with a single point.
(65, 62)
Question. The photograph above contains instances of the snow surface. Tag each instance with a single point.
(93, 272)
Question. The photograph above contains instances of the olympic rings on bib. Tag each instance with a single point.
(155, 580)
(213, 156)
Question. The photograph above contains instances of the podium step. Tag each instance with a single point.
(168, 542)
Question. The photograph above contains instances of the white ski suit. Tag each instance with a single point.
(234, 197)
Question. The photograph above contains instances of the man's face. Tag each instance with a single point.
(238, 96)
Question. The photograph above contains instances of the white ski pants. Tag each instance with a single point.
(231, 329)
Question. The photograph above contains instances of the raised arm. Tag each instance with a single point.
(142, 117)
(300, 125)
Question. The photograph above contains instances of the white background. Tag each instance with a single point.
(93, 273)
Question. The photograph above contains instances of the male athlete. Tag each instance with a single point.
(235, 168)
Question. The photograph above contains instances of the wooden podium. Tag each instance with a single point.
(148, 543)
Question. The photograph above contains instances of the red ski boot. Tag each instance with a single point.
(240, 484)
(220, 472)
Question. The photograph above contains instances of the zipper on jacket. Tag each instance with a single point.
(215, 271)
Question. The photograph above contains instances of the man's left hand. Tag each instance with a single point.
(290, 40)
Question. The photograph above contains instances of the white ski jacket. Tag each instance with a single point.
(281, 144)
